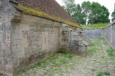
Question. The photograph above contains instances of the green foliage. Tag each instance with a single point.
(87, 12)
(1, 74)
(113, 16)
(95, 25)
(100, 73)
(91, 50)
(78, 16)
(111, 52)
(107, 73)
(100, 14)
(74, 10)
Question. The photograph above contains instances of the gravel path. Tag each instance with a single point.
(98, 62)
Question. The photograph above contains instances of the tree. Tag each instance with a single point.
(86, 7)
(74, 10)
(100, 14)
(87, 12)
(113, 16)
(70, 6)
(79, 15)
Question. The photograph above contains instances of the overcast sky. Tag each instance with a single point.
(107, 3)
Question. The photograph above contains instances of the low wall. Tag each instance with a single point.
(108, 33)
(94, 33)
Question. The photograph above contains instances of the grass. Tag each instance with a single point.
(111, 52)
(100, 73)
(94, 46)
(1, 74)
(57, 63)
(99, 25)
(63, 63)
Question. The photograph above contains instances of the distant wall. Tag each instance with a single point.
(94, 33)
(109, 35)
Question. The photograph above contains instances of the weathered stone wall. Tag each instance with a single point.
(34, 39)
(74, 41)
(109, 35)
(26, 39)
(6, 14)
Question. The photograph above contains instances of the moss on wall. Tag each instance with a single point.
(42, 14)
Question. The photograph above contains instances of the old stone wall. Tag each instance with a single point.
(74, 41)
(109, 35)
(6, 14)
(26, 39)
(34, 39)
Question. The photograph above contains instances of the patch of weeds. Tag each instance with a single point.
(1, 74)
(106, 73)
(55, 63)
(92, 50)
(100, 73)
(111, 52)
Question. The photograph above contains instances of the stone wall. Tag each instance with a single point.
(74, 41)
(94, 33)
(26, 40)
(34, 39)
(6, 14)
(109, 35)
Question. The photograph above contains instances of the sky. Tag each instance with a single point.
(107, 3)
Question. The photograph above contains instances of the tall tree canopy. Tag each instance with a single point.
(87, 12)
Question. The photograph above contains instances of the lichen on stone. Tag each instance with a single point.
(34, 12)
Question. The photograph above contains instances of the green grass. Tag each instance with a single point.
(111, 52)
(95, 25)
(55, 64)
(94, 46)
(101, 73)
(92, 50)
(1, 74)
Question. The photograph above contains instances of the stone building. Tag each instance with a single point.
(31, 30)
